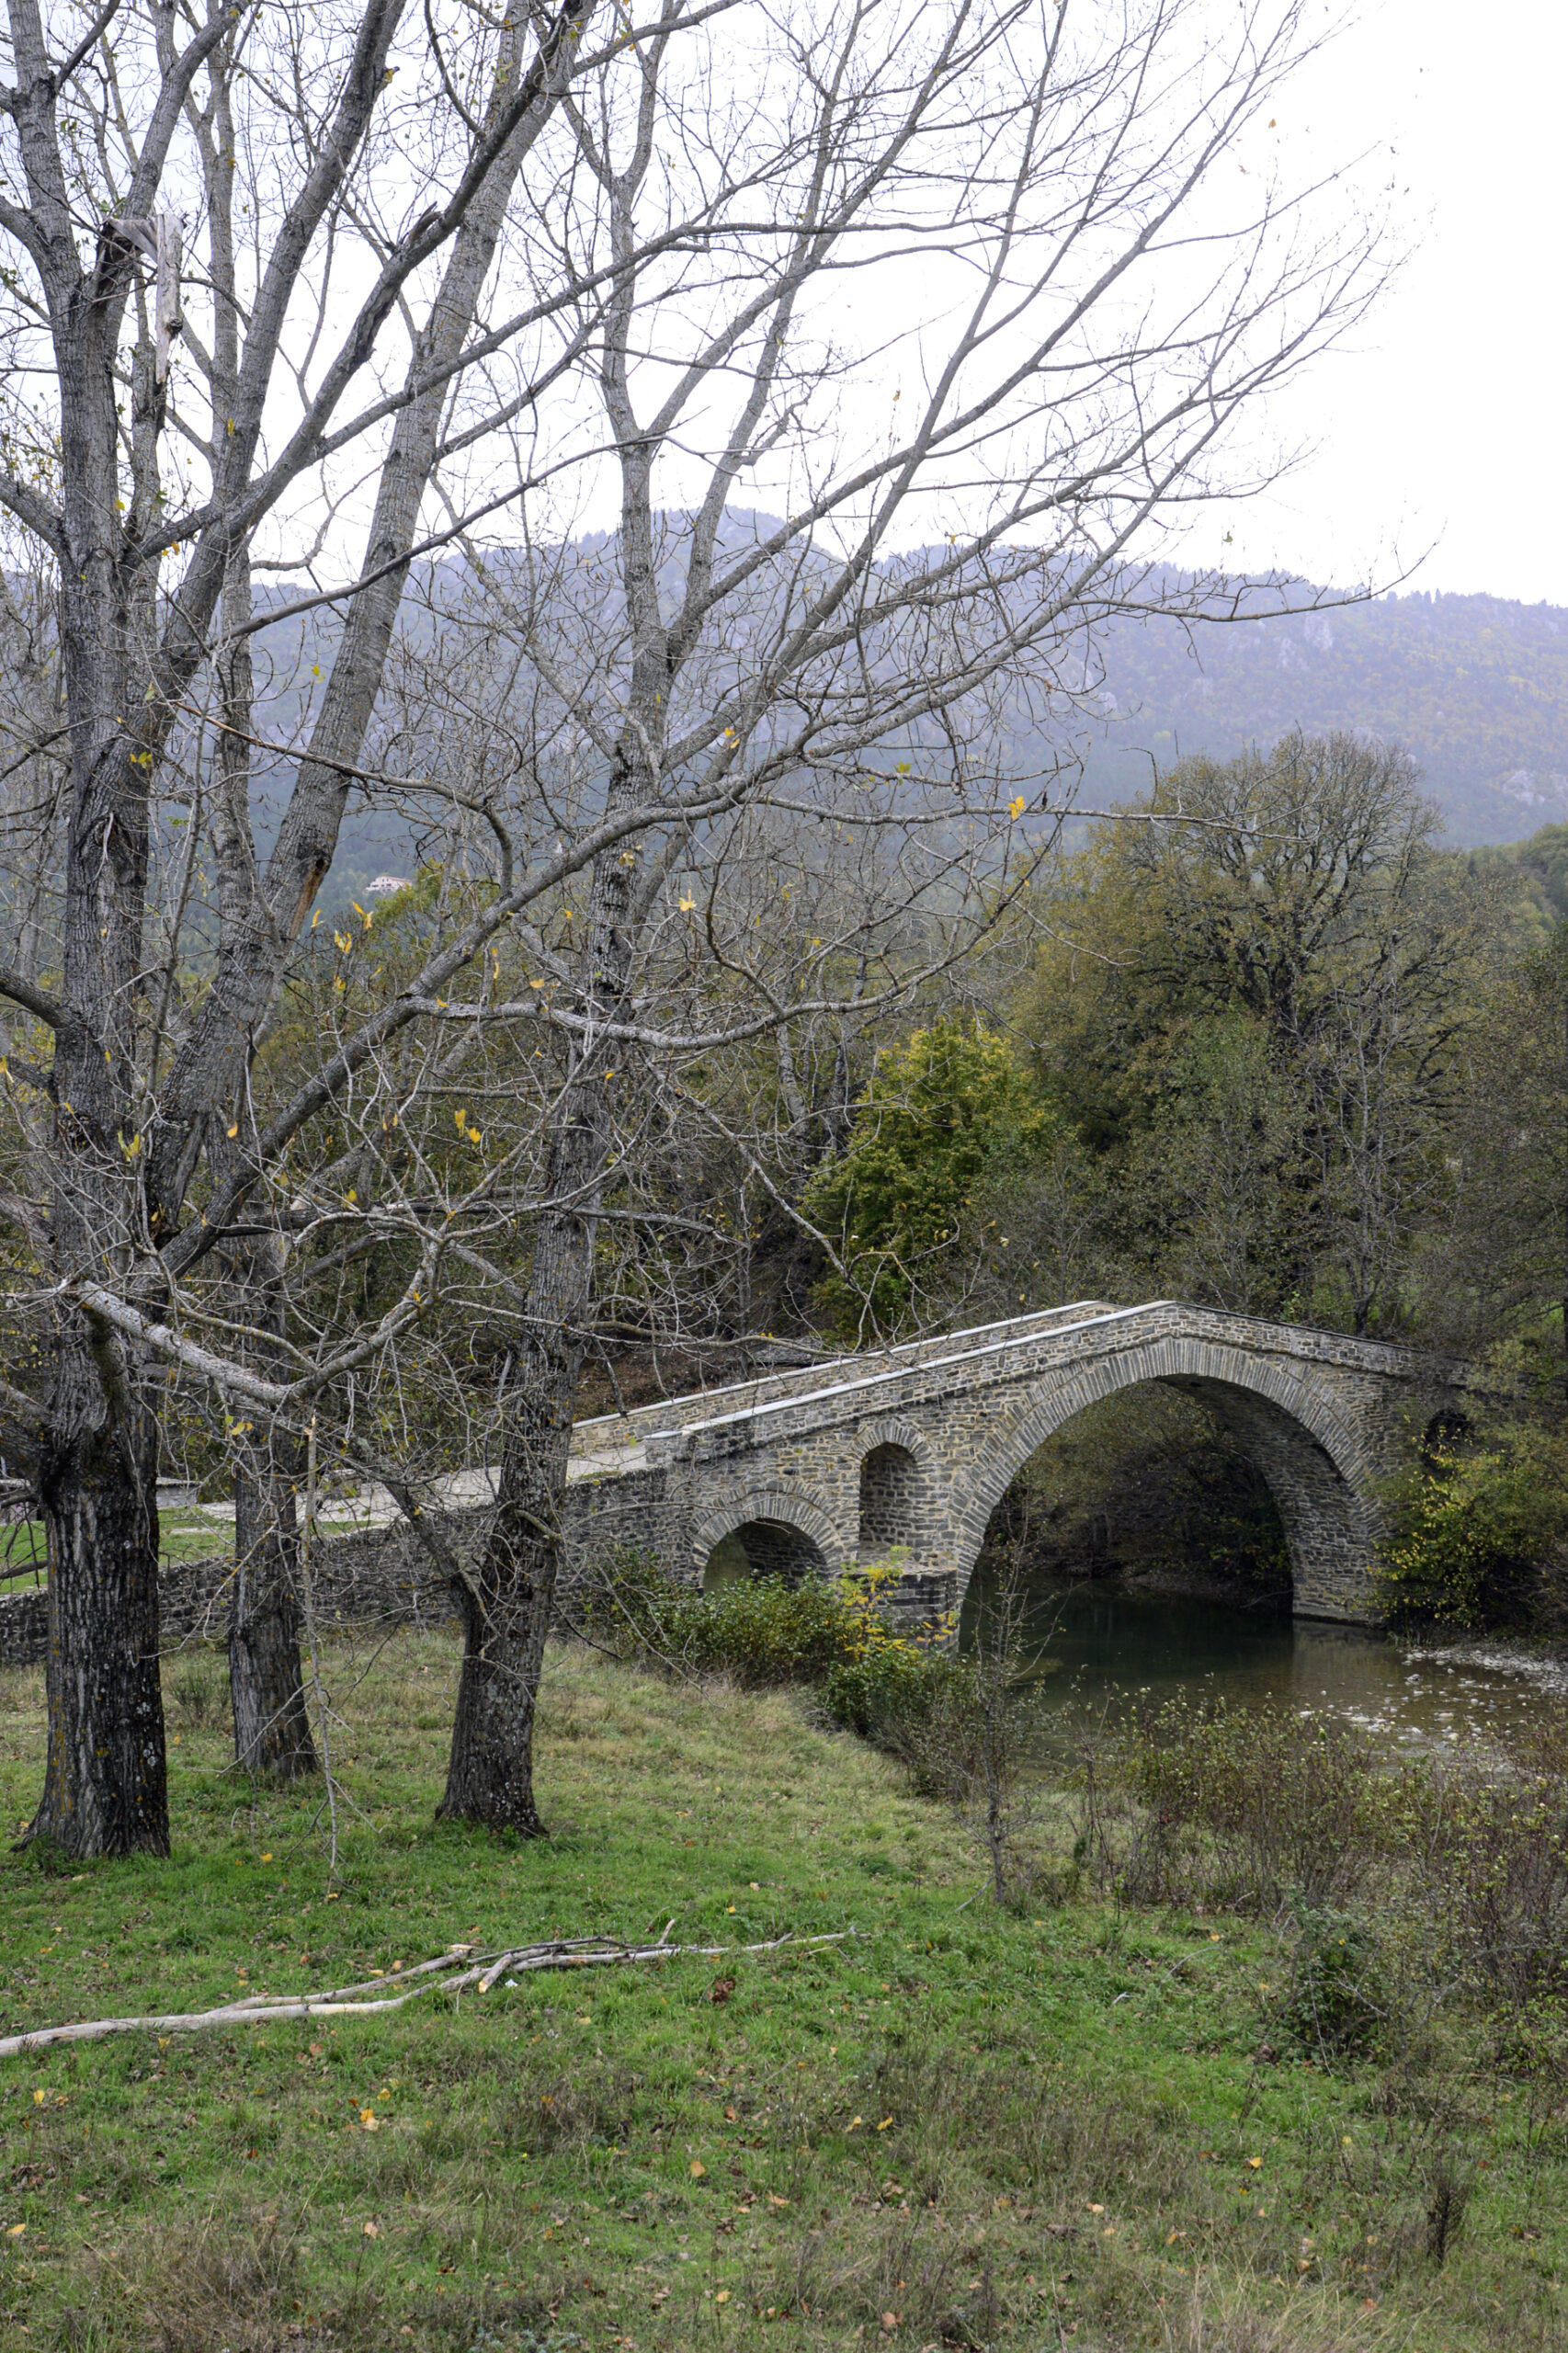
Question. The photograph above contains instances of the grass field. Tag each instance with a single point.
(955, 2127)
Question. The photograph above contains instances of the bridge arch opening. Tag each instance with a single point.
(1150, 1490)
(890, 1501)
(763, 1547)
(1298, 1455)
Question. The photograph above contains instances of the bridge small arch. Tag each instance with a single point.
(1321, 1482)
(763, 1535)
(892, 1489)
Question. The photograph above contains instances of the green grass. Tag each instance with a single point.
(957, 2127)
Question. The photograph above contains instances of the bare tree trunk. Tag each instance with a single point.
(507, 1609)
(272, 1724)
(272, 1731)
(105, 1786)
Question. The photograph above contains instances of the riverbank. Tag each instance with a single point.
(955, 2127)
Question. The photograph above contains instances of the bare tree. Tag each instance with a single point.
(889, 340)
(1046, 431)
(370, 215)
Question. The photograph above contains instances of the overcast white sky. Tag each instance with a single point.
(1444, 426)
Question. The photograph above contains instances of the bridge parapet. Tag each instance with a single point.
(607, 1432)
(961, 1366)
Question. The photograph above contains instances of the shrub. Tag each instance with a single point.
(765, 1630)
(761, 1631)
(1337, 2001)
(890, 1687)
(1478, 1527)
(1257, 1807)
(1495, 1862)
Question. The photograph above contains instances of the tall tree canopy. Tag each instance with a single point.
(1253, 1002)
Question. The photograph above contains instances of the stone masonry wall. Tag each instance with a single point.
(381, 1573)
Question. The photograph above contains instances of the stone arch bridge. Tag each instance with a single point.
(913, 1446)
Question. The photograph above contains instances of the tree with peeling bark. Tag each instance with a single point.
(885, 342)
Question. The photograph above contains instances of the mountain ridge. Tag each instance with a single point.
(1474, 687)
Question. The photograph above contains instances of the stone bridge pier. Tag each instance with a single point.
(911, 1450)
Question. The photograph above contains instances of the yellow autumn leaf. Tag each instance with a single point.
(686, 906)
(1016, 807)
(698, 2168)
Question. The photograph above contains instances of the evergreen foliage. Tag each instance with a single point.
(943, 1114)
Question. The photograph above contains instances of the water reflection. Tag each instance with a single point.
(1096, 1640)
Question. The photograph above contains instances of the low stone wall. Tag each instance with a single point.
(384, 1575)
(378, 1575)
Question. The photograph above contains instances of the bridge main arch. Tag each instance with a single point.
(1316, 1468)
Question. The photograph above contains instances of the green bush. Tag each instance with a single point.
(1256, 1808)
(765, 1630)
(890, 1686)
(1476, 1527)
(1338, 2000)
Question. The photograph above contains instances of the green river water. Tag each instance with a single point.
(1099, 1642)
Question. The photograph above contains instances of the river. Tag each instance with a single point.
(1099, 1642)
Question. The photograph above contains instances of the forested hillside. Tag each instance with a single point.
(1476, 687)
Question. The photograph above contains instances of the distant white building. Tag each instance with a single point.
(384, 883)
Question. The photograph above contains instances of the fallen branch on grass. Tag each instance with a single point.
(453, 1971)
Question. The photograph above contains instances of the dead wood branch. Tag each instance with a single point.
(453, 1971)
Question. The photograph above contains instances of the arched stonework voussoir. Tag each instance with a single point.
(770, 1503)
(1321, 1473)
(891, 1429)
